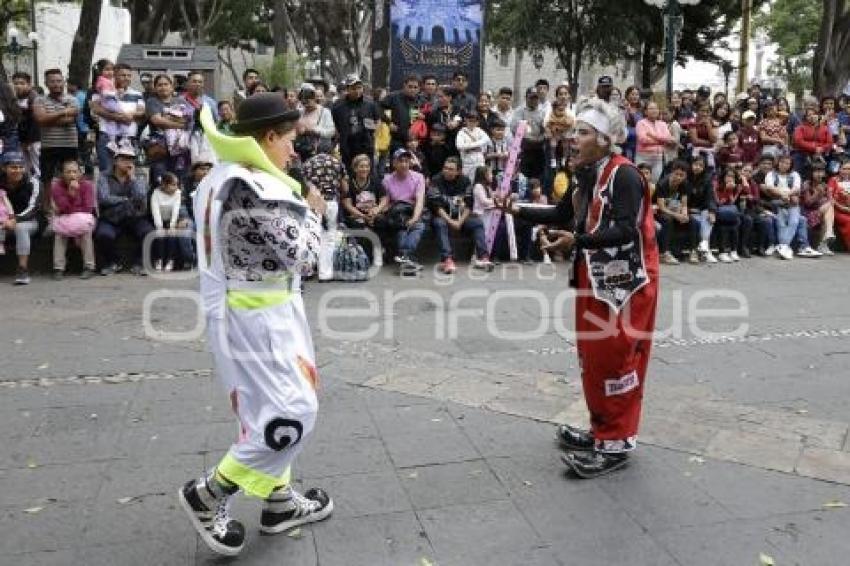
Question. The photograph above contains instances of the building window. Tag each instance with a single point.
(168, 53)
(504, 57)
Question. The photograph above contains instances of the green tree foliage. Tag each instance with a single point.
(792, 25)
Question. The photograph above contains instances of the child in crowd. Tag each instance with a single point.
(479, 219)
(7, 219)
(103, 78)
(417, 157)
(74, 208)
(556, 128)
(165, 209)
(471, 143)
(731, 154)
(499, 147)
(538, 233)
(646, 171)
(817, 206)
(727, 193)
(436, 150)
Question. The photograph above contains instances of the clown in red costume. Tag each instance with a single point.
(611, 232)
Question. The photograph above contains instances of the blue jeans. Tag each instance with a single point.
(441, 231)
(767, 227)
(787, 219)
(700, 228)
(104, 156)
(475, 225)
(407, 239)
(802, 234)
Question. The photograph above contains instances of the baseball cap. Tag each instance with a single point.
(401, 152)
(124, 149)
(12, 157)
(748, 115)
(351, 80)
(605, 80)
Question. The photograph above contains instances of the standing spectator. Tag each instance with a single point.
(499, 149)
(604, 88)
(250, 79)
(504, 105)
(462, 100)
(400, 209)
(562, 95)
(404, 110)
(634, 114)
(844, 120)
(839, 191)
(673, 147)
(485, 112)
(195, 95)
(23, 191)
(146, 80)
(428, 94)
(74, 208)
(750, 139)
(533, 159)
(56, 114)
(170, 119)
(472, 142)
(818, 209)
(482, 205)
(29, 134)
(128, 115)
(226, 117)
(542, 88)
(315, 129)
(449, 203)
(703, 209)
(653, 135)
(10, 117)
(122, 205)
(355, 119)
(774, 136)
(448, 115)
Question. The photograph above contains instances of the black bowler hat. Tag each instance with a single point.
(262, 110)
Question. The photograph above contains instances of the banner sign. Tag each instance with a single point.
(437, 37)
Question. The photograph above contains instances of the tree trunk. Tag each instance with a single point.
(280, 27)
(831, 64)
(83, 47)
(647, 62)
(150, 20)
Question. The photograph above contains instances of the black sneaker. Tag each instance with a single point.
(287, 509)
(58, 275)
(593, 464)
(574, 439)
(86, 274)
(138, 271)
(22, 277)
(108, 270)
(222, 534)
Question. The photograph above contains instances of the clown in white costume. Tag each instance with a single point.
(256, 236)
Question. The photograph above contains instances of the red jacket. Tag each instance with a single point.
(83, 201)
(808, 138)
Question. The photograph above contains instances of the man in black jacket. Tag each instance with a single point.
(355, 119)
(404, 109)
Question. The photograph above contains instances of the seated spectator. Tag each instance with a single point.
(327, 174)
(702, 209)
(199, 170)
(360, 203)
(817, 206)
(730, 154)
(22, 192)
(74, 209)
(839, 191)
(449, 201)
(773, 133)
(749, 201)
(812, 140)
(765, 222)
(169, 216)
(829, 117)
(7, 219)
(783, 187)
(122, 204)
(731, 194)
(400, 211)
(471, 143)
(646, 172)
(748, 135)
(671, 197)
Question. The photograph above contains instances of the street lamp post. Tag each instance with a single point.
(15, 48)
(673, 23)
(727, 67)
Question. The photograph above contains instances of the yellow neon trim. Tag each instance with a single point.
(243, 149)
(253, 482)
(238, 299)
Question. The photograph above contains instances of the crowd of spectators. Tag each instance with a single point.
(743, 176)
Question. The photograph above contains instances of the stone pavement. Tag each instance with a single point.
(438, 449)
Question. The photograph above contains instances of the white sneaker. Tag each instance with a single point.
(169, 266)
(770, 251)
(724, 258)
(785, 252)
(735, 256)
(703, 246)
(808, 251)
(157, 265)
(546, 259)
(824, 248)
(709, 257)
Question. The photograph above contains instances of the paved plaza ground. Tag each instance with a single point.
(436, 428)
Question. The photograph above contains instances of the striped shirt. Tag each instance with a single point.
(58, 136)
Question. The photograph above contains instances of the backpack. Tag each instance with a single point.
(350, 261)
